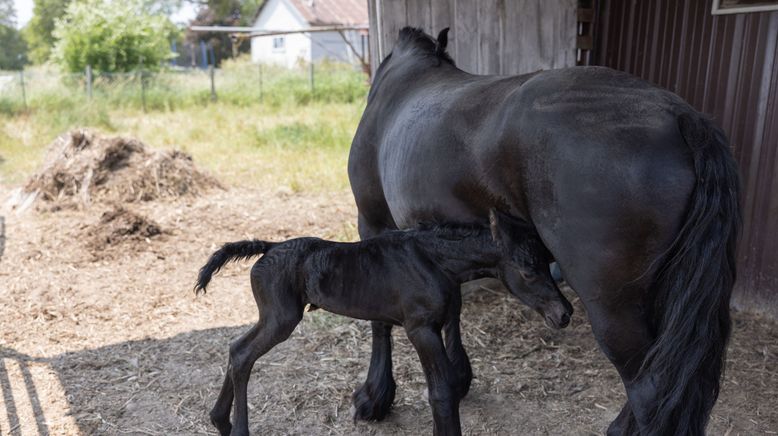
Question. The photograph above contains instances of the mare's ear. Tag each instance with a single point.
(494, 225)
(440, 46)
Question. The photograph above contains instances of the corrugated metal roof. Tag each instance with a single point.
(328, 12)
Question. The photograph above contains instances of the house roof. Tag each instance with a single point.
(328, 12)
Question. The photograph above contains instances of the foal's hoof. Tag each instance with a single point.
(371, 402)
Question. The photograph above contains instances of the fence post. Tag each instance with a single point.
(213, 84)
(260, 82)
(313, 87)
(89, 82)
(143, 88)
(24, 92)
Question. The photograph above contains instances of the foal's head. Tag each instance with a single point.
(525, 269)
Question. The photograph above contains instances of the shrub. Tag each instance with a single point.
(111, 36)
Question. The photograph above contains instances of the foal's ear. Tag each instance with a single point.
(440, 46)
(494, 225)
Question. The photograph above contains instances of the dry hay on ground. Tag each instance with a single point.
(122, 346)
(83, 166)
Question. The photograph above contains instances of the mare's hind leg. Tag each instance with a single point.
(374, 398)
(624, 335)
(455, 350)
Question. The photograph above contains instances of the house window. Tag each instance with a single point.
(279, 44)
(721, 7)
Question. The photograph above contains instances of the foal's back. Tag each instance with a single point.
(374, 279)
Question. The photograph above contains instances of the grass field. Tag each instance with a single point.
(289, 136)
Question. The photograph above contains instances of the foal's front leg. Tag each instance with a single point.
(458, 357)
(454, 348)
(374, 398)
(441, 380)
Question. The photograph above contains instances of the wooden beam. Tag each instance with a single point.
(252, 31)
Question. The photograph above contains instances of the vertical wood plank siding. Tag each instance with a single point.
(725, 66)
(487, 36)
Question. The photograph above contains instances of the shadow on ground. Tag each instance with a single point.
(529, 380)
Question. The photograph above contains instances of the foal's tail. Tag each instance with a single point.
(229, 251)
(693, 286)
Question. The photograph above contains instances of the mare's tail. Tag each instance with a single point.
(693, 287)
(229, 251)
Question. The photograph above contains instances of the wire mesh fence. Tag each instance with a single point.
(238, 83)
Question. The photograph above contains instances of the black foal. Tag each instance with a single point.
(409, 278)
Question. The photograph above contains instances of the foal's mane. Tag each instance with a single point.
(414, 39)
(452, 231)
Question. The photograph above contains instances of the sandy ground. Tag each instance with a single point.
(111, 340)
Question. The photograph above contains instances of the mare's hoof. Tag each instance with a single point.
(224, 426)
(464, 377)
(463, 387)
(371, 402)
(624, 424)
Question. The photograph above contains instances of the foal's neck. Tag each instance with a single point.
(466, 254)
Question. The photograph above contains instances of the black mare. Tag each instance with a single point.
(633, 191)
(409, 278)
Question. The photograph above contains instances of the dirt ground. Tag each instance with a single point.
(110, 339)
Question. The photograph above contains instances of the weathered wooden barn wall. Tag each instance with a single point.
(726, 66)
(487, 36)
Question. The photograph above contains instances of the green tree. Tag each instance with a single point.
(7, 13)
(13, 50)
(38, 32)
(111, 36)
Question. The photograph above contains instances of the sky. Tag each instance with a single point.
(24, 13)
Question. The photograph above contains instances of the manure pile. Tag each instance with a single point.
(82, 167)
(119, 225)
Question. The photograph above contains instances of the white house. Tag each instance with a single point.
(294, 48)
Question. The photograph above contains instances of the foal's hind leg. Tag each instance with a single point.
(220, 414)
(269, 332)
(280, 312)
